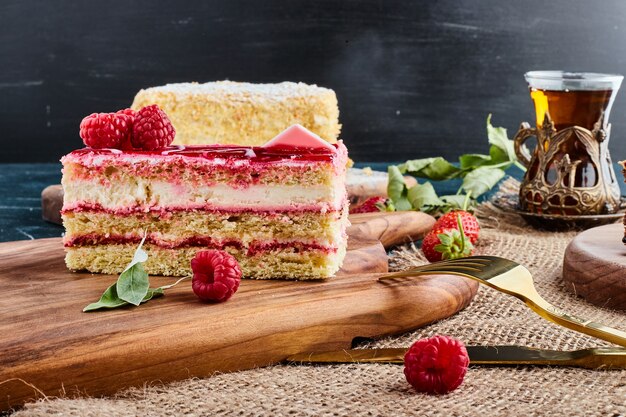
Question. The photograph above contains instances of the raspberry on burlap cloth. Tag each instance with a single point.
(381, 390)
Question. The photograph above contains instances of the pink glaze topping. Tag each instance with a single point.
(253, 154)
(298, 136)
(244, 165)
(204, 241)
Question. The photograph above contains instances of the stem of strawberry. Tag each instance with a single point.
(460, 224)
(467, 199)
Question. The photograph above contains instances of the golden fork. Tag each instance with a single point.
(512, 278)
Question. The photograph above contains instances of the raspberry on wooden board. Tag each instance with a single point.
(216, 275)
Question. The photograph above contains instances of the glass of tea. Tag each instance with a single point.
(570, 171)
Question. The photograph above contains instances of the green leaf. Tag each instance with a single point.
(445, 239)
(498, 138)
(109, 299)
(473, 160)
(422, 196)
(497, 156)
(153, 293)
(482, 180)
(397, 190)
(437, 169)
(133, 284)
(415, 165)
(455, 201)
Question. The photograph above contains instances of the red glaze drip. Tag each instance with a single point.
(197, 241)
(261, 154)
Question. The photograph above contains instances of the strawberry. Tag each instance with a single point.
(371, 205)
(450, 243)
(471, 228)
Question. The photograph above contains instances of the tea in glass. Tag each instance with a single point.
(570, 171)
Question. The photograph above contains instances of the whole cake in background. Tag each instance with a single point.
(228, 112)
(280, 209)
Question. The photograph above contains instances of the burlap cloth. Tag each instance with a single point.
(381, 390)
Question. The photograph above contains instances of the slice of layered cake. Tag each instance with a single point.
(228, 112)
(281, 209)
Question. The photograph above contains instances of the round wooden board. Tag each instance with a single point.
(595, 266)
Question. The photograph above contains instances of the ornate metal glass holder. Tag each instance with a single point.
(570, 172)
(549, 186)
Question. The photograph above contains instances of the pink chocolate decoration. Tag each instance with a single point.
(299, 137)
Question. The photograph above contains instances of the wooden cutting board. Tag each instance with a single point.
(594, 266)
(48, 343)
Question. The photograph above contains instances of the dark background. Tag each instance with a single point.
(413, 78)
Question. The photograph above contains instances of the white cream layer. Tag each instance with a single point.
(161, 194)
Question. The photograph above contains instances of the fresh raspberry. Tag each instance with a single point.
(216, 275)
(127, 145)
(469, 222)
(371, 205)
(129, 112)
(441, 244)
(436, 365)
(152, 129)
(106, 130)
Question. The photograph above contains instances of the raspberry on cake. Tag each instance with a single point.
(242, 113)
(152, 129)
(106, 130)
(280, 210)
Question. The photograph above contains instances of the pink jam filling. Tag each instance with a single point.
(122, 211)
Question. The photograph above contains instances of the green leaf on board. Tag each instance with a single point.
(109, 299)
(153, 293)
(481, 180)
(133, 284)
